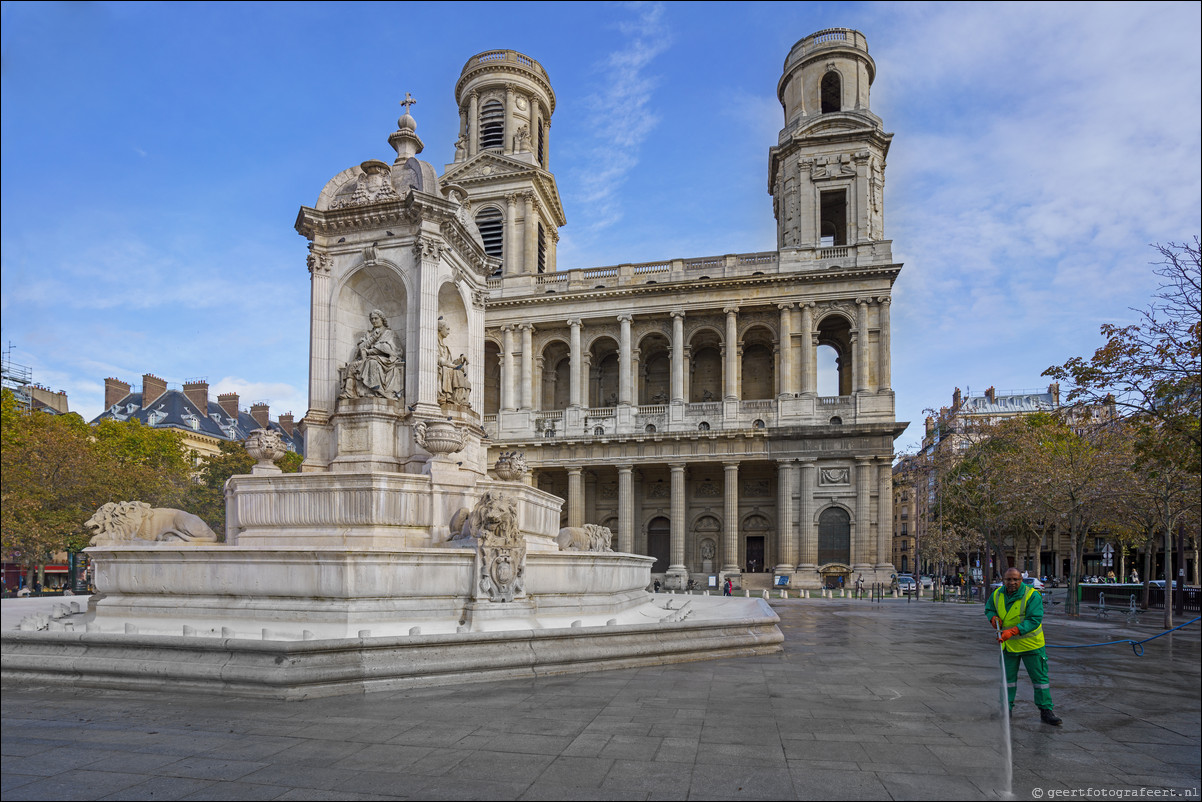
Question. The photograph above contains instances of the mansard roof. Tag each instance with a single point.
(174, 410)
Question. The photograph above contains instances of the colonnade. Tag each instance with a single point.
(800, 497)
(796, 346)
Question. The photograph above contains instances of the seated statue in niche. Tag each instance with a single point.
(454, 389)
(377, 369)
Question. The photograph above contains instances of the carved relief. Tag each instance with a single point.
(657, 490)
(608, 490)
(757, 487)
(708, 489)
(834, 476)
(500, 549)
(373, 185)
(454, 389)
(318, 262)
(428, 248)
(825, 167)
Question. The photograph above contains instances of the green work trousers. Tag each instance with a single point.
(1036, 662)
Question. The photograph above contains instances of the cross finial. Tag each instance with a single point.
(407, 102)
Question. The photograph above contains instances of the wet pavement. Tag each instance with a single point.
(867, 701)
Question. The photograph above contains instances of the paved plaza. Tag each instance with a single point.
(897, 700)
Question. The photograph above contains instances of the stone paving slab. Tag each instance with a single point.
(897, 700)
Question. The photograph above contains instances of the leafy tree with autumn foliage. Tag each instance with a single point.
(57, 470)
(1153, 369)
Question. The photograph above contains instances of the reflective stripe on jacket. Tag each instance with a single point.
(1013, 616)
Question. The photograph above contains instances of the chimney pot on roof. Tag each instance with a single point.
(152, 389)
(286, 423)
(229, 403)
(114, 391)
(1054, 389)
(956, 399)
(260, 413)
(198, 393)
(991, 395)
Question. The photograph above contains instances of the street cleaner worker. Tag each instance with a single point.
(1016, 610)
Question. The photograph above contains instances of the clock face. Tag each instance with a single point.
(521, 103)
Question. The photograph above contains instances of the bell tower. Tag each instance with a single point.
(502, 159)
(826, 173)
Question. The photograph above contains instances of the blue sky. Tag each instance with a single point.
(155, 156)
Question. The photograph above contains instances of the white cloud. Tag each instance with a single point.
(620, 117)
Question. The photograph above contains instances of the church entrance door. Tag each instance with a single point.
(755, 553)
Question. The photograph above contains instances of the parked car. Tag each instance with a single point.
(927, 582)
(906, 584)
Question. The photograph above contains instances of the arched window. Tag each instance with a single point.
(492, 125)
(834, 536)
(832, 92)
(492, 231)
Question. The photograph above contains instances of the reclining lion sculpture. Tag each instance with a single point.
(589, 537)
(136, 521)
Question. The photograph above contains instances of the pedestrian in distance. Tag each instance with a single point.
(1015, 610)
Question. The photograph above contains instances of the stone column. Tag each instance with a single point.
(678, 357)
(625, 374)
(626, 508)
(677, 532)
(530, 262)
(473, 113)
(574, 384)
(512, 260)
(731, 346)
(808, 373)
(860, 362)
(323, 377)
(553, 251)
(806, 510)
(786, 349)
(862, 546)
(575, 496)
(786, 551)
(884, 360)
(527, 399)
(884, 513)
(730, 519)
(507, 370)
(507, 145)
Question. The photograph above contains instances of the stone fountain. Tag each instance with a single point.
(394, 557)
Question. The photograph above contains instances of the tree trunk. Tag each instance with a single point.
(1147, 572)
(1168, 576)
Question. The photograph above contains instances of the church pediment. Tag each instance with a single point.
(490, 167)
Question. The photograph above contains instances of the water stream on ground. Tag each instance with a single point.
(1007, 790)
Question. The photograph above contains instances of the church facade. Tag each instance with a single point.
(683, 403)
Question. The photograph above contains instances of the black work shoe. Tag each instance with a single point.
(1048, 717)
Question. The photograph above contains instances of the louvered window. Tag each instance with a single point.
(542, 250)
(492, 230)
(492, 125)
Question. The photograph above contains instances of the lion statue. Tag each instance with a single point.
(493, 519)
(589, 537)
(131, 521)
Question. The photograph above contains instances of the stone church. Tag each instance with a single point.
(676, 402)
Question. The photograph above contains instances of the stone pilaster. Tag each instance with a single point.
(786, 349)
(508, 368)
(862, 546)
(473, 113)
(884, 514)
(527, 400)
(809, 538)
(860, 362)
(512, 259)
(530, 262)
